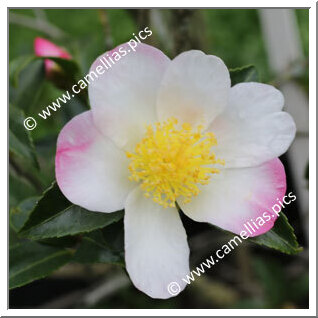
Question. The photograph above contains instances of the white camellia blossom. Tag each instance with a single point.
(162, 132)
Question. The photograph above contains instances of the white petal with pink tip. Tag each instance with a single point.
(235, 196)
(90, 170)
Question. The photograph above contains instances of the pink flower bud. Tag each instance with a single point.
(43, 47)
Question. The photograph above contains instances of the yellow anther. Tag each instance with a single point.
(170, 162)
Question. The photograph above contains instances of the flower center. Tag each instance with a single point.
(170, 161)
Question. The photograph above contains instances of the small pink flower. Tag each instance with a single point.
(43, 47)
(162, 131)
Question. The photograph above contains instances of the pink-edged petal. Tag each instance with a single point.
(90, 170)
(156, 248)
(123, 97)
(194, 89)
(236, 196)
(253, 129)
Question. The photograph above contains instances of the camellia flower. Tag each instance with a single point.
(163, 132)
(43, 47)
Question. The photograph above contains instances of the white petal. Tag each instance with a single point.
(156, 248)
(123, 98)
(252, 129)
(194, 89)
(236, 196)
(255, 99)
(90, 170)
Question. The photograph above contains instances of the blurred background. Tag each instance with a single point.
(276, 43)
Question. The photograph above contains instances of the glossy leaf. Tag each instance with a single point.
(65, 241)
(94, 249)
(50, 204)
(30, 261)
(29, 82)
(19, 214)
(17, 65)
(281, 237)
(244, 74)
(114, 236)
(71, 221)
(19, 189)
(13, 237)
(55, 216)
(20, 141)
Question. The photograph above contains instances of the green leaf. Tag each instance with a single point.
(72, 221)
(17, 65)
(30, 80)
(65, 241)
(94, 249)
(19, 214)
(55, 216)
(244, 74)
(20, 141)
(30, 261)
(19, 189)
(13, 237)
(281, 237)
(50, 204)
(114, 236)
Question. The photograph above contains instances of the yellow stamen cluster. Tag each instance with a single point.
(171, 161)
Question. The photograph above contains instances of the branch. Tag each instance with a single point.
(103, 17)
(37, 24)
